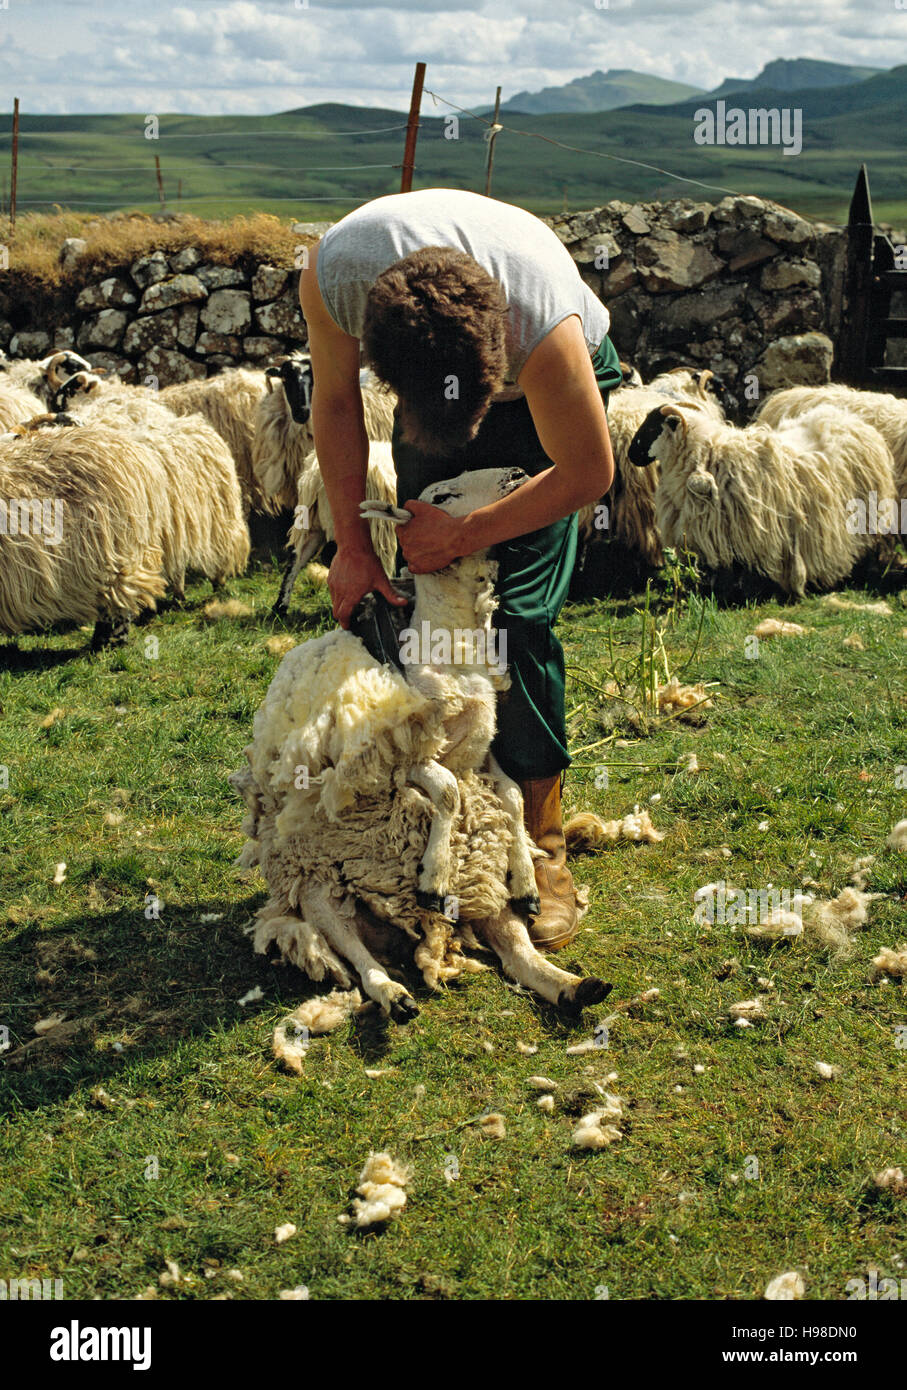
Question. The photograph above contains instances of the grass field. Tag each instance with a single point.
(196, 1146)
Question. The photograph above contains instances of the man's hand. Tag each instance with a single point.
(355, 572)
(431, 540)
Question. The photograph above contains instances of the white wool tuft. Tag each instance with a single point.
(674, 697)
(845, 604)
(527, 1049)
(827, 1071)
(891, 963)
(748, 1010)
(832, 921)
(285, 1232)
(898, 837)
(779, 925)
(298, 1295)
(598, 1129)
(787, 1287)
(493, 1126)
(775, 627)
(251, 996)
(587, 831)
(59, 874)
(891, 1180)
(381, 1190)
(541, 1083)
(325, 1013)
(545, 1103)
(688, 762)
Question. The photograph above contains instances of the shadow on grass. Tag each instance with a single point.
(119, 979)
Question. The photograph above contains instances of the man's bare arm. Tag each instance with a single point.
(567, 410)
(341, 444)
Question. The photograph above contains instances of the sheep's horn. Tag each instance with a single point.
(705, 376)
(51, 367)
(672, 410)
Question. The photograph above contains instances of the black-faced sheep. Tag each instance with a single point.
(774, 501)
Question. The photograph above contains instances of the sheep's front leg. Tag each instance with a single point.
(304, 551)
(440, 785)
(341, 926)
(520, 871)
(509, 939)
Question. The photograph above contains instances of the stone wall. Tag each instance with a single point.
(744, 287)
(172, 318)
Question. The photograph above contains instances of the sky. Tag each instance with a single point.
(246, 57)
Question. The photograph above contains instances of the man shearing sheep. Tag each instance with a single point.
(474, 313)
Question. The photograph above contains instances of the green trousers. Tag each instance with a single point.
(533, 578)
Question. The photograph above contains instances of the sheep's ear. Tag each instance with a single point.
(384, 511)
(672, 417)
(271, 373)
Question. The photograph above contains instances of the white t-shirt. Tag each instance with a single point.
(535, 270)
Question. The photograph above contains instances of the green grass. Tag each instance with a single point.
(808, 737)
(314, 163)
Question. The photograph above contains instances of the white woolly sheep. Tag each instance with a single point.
(776, 502)
(368, 802)
(200, 511)
(696, 384)
(313, 525)
(886, 413)
(17, 404)
(79, 539)
(631, 499)
(228, 402)
(283, 430)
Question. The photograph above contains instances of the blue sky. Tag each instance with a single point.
(250, 56)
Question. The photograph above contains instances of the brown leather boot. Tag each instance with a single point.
(558, 921)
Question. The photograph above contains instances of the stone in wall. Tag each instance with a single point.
(804, 359)
(227, 312)
(104, 330)
(164, 294)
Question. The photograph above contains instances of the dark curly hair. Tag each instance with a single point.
(435, 328)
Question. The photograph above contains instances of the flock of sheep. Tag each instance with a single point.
(156, 484)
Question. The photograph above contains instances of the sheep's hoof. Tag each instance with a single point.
(404, 1009)
(588, 992)
(429, 902)
(530, 906)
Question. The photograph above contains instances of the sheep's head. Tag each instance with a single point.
(85, 385)
(296, 375)
(629, 375)
(713, 385)
(642, 445)
(60, 366)
(457, 496)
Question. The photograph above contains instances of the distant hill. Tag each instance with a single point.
(319, 162)
(602, 91)
(797, 74)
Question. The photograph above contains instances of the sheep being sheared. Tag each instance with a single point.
(373, 799)
(774, 501)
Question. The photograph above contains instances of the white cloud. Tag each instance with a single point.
(247, 56)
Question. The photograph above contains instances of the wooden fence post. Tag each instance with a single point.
(491, 136)
(160, 181)
(14, 177)
(412, 129)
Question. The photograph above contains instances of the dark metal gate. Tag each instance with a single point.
(876, 271)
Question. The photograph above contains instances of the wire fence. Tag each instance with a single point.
(143, 185)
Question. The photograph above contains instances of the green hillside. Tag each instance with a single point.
(602, 91)
(321, 161)
(797, 74)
